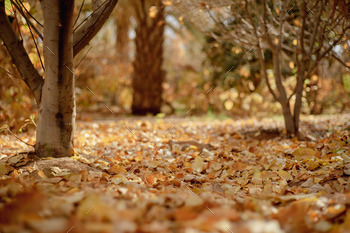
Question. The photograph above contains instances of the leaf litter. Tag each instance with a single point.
(182, 175)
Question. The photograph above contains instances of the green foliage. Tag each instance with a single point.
(8, 7)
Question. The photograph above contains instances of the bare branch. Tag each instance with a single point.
(27, 20)
(81, 7)
(30, 26)
(340, 60)
(266, 31)
(19, 56)
(317, 20)
(260, 53)
(19, 138)
(91, 27)
(327, 51)
(302, 29)
(29, 13)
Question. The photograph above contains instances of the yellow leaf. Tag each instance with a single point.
(312, 165)
(152, 11)
(26, 5)
(139, 158)
(228, 105)
(192, 147)
(216, 166)
(304, 153)
(41, 174)
(198, 164)
(116, 169)
(3, 169)
(296, 22)
(285, 175)
(291, 65)
(194, 201)
(167, 2)
(118, 179)
(181, 20)
(151, 179)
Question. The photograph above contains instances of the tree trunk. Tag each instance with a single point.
(289, 122)
(122, 21)
(298, 96)
(148, 73)
(57, 107)
(282, 98)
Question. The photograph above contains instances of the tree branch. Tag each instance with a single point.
(263, 68)
(19, 55)
(317, 19)
(91, 27)
(340, 60)
(29, 13)
(27, 20)
(81, 7)
(266, 31)
(302, 29)
(328, 50)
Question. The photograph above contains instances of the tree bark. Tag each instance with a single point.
(122, 21)
(19, 55)
(57, 107)
(84, 34)
(148, 73)
(282, 98)
(298, 96)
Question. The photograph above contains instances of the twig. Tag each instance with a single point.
(27, 20)
(9, 73)
(30, 14)
(89, 16)
(339, 60)
(18, 137)
(83, 57)
(81, 7)
(36, 46)
(30, 26)
(19, 30)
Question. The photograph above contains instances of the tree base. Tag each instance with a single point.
(44, 151)
(144, 111)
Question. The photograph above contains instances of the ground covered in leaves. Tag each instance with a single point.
(182, 175)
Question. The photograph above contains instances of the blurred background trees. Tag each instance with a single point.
(148, 73)
(216, 56)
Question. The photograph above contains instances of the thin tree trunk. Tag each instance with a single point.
(57, 108)
(288, 119)
(298, 97)
(284, 101)
(148, 73)
(122, 21)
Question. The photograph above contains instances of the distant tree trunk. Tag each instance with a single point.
(122, 21)
(148, 73)
(57, 107)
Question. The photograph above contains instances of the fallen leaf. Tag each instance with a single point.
(198, 164)
(304, 153)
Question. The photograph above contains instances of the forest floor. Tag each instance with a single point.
(182, 175)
